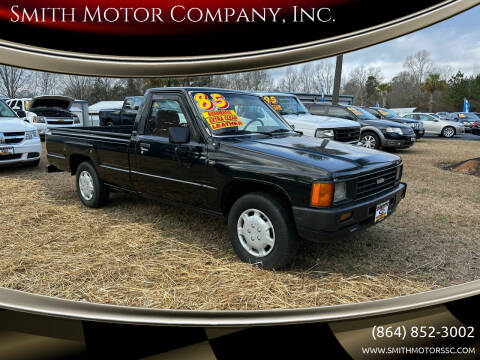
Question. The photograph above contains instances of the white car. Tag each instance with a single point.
(53, 111)
(437, 126)
(19, 140)
(295, 113)
(23, 104)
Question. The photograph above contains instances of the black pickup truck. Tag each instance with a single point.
(124, 116)
(228, 153)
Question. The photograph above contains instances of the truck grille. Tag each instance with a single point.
(347, 135)
(13, 137)
(376, 182)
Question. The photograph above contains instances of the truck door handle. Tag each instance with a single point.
(144, 147)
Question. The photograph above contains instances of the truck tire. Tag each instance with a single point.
(370, 140)
(262, 230)
(448, 132)
(90, 188)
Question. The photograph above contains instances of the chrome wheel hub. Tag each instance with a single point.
(85, 184)
(368, 141)
(255, 232)
(449, 132)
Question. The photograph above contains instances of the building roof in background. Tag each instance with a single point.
(95, 108)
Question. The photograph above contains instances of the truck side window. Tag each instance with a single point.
(164, 113)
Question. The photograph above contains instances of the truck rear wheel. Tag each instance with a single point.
(262, 230)
(90, 188)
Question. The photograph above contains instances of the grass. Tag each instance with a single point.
(140, 253)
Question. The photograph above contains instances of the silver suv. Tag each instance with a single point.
(437, 126)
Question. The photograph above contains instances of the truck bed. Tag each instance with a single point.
(107, 147)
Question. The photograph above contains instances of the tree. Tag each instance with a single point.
(432, 83)
(418, 65)
(371, 88)
(12, 80)
(457, 90)
(383, 90)
(45, 83)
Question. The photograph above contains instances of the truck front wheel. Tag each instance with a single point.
(90, 188)
(262, 230)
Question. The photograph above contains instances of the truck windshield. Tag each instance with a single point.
(5, 111)
(232, 114)
(285, 105)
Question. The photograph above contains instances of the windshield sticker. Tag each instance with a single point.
(355, 111)
(222, 119)
(462, 115)
(384, 113)
(272, 100)
(204, 102)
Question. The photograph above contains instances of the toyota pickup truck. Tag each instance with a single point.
(228, 153)
(327, 127)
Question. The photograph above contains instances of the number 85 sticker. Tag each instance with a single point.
(205, 103)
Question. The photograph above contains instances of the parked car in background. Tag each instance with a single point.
(227, 153)
(386, 114)
(19, 140)
(433, 125)
(442, 115)
(292, 110)
(375, 133)
(467, 119)
(23, 104)
(124, 116)
(53, 111)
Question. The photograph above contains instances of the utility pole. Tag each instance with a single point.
(338, 79)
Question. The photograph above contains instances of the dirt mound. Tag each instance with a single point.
(471, 167)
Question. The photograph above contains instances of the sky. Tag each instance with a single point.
(454, 42)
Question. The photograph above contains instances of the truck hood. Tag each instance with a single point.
(51, 101)
(14, 125)
(327, 155)
(319, 122)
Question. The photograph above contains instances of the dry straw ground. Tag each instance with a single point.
(140, 253)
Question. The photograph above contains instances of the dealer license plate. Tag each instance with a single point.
(6, 150)
(381, 212)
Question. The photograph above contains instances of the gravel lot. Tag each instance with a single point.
(137, 252)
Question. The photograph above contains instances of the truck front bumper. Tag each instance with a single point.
(322, 224)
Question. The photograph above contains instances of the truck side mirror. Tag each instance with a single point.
(21, 113)
(178, 135)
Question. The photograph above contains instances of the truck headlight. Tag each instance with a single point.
(29, 135)
(325, 133)
(340, 192)
(394, 130)
(40, 119)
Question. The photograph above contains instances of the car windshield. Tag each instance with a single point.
(387, 112)
(5, 111)
(232, 114)
(468, 116)
(360, 113)
(285, 105)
